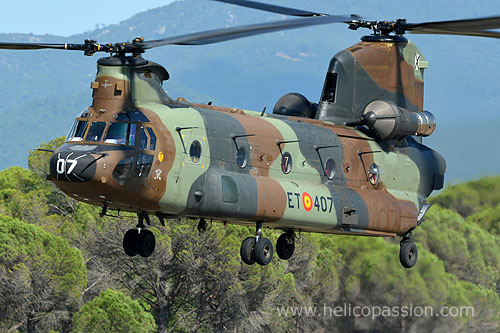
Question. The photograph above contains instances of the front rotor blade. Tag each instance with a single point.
(272, 8)
(490, 34)
(221, 35)
(471, 27)
(38, 46)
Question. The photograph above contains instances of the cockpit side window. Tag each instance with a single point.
(143, 139)
(78, 130)
(95, 131)
(152, 138)
(143, 165)
(131, 135)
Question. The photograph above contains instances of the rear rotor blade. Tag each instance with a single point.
(221, 35)
(272, 8)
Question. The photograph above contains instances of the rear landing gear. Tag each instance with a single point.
(139, 241)
(408, 252)
(257, 249)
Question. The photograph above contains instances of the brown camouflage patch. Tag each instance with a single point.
(389, 70)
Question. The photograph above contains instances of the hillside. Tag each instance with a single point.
(44, 90)
(62, 268)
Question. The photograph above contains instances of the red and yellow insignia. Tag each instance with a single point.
(307, 201)
(160, 156)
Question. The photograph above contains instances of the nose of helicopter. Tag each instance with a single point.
(71, 166)
(119, 178)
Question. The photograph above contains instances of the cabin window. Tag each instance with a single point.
(121, 133)
(95, 131)
(330, 168)
(152, 139)
(242, 157)
(286, 162)
(78, 130)
(374, 174)
(195, 151)
(330, 88)
(143, 165)
(143, 139)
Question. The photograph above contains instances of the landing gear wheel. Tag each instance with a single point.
(408, 254)
(247, 251)
(129, 242)
(263, 251)
(146, 243)
(285, 246)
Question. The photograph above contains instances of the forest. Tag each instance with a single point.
(62, 269)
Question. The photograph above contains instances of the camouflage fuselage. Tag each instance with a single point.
(279, 177)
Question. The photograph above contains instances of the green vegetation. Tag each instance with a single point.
(477, 201)
(471, 197)
(41, 277)
(113, 312)
(63, 268)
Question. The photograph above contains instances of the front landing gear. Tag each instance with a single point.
(247, 250)
(285, 245)
(257, 249)
(408, 252)
(139, 241)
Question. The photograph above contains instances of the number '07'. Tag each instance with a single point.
(62, 163)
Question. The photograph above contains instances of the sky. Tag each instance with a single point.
(65, 18)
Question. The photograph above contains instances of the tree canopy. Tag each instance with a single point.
(41, 277)
(112, 311)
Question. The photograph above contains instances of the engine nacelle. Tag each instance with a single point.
(390, 121)
(295, 105)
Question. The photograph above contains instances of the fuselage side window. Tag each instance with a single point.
(330, 88)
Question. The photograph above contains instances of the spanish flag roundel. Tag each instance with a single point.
(307, 201)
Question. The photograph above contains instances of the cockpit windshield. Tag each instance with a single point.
(95, 131)
(78, 130)
(79, 126)
(121, 133)
(120, 129)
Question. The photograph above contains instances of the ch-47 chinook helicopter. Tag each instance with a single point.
(353, 164)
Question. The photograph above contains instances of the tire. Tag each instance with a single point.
(263, 251)
(130, 241)
(408, 254)
(247, 251)
(146, 243)
(284, 248)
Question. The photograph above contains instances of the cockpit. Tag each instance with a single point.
(122, 129)
(130, 129)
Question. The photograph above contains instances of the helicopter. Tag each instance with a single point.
(351, 164)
